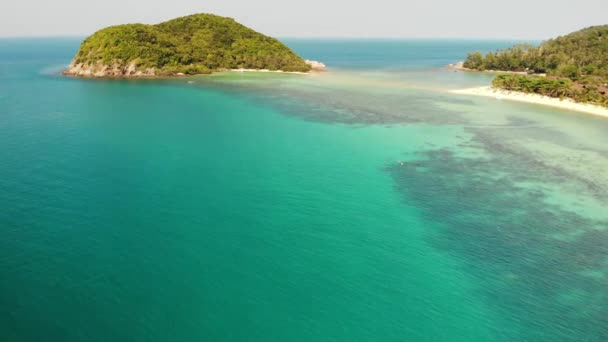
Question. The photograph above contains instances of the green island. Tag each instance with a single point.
(195, 44)
(573, 66)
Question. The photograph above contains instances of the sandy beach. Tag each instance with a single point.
(460, 67)
(534, 99)
(269, 71)
(315, 65)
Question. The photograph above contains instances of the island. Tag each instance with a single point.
(195, 44)
(572, 68)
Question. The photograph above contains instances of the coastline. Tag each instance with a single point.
(508, 95)
(270, 71)
(178, 75)
(460, 67)
(115, 71)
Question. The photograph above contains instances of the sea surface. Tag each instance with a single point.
(366, 203)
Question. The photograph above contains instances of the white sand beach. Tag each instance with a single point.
(268, 71)
(500, 94)
(315, 67)
(460, 67)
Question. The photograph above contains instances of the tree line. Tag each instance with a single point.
(578, 60)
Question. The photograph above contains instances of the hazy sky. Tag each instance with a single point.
(520, 19)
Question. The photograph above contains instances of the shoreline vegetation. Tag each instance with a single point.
(193, 45)
(572, 67)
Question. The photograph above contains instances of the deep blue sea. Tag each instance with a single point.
(366, 203)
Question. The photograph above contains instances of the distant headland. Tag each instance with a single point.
(574, 67)
(195, 44)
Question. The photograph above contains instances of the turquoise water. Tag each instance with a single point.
(363, 204)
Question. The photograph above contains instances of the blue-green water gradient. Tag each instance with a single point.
(363, 204)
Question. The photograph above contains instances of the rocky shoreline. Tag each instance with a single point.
(101, 70)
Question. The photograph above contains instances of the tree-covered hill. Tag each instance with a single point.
(195, 44)
(578, 61)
